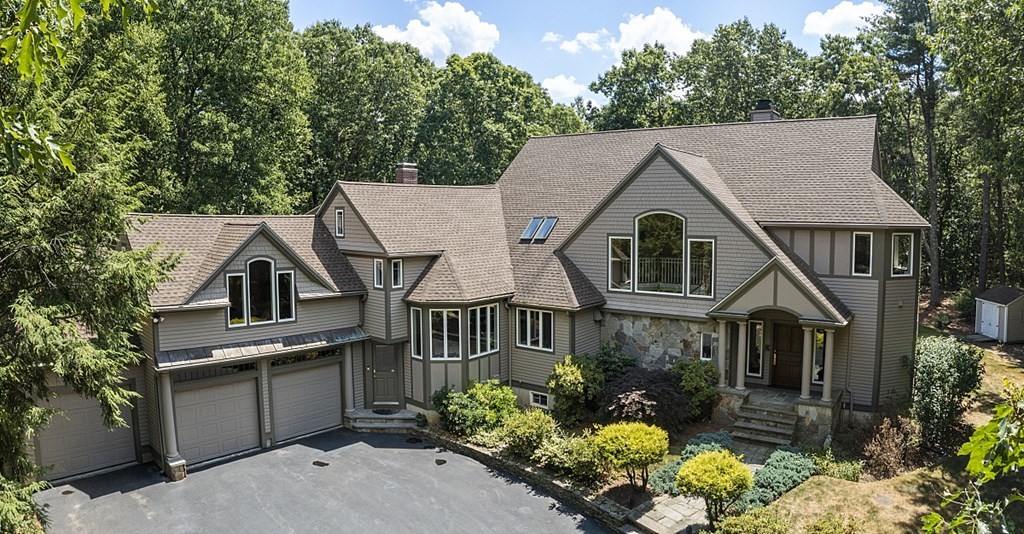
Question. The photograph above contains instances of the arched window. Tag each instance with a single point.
(659, 252)
(261, 291)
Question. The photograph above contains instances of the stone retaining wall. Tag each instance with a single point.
(656, 342)
(608, 512)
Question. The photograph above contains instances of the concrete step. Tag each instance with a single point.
(382, 420)
(780, 431)
(387, 426)
(760, 439)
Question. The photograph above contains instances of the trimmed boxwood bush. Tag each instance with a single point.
(524, 432)
(946, 374)
(577, 457)
(719, 478)
(650, 396)
(632, 447)
(760, 521)
(783, 471)
(482, 407)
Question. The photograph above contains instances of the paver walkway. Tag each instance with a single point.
(672, 515)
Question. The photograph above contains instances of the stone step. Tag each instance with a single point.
(781, 431)
(375, 420)
(761, 439)
(782, 415)
(388, 426)
(766, 420)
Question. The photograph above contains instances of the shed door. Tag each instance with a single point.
(306, 400)
(990, 319)
(77, 441)
(217, 420)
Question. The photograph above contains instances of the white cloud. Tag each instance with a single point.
(662, 25)
(843, 19)
(551, 37)
(589, 40)
(562, 87)
(444, 29)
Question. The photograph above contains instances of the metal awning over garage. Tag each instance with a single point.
(253, 350)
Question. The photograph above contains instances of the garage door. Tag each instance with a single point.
(217, 420)
(990, 320)
(306, 400)
(77, 441)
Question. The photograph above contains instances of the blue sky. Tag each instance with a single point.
(566, 45)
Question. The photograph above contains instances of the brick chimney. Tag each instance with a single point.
(406, 173)
(764, 111)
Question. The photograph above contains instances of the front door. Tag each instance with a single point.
(787, 355)
(385, 375)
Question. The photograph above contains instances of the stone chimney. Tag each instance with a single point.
(406, 173)
(764, 111)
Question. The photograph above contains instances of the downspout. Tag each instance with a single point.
(846, 381)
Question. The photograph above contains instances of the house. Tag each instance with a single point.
(999, 314)
(771, 247)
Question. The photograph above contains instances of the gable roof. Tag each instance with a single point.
(464, 225)
(817, 172)
(1002, 294)
(208, 242)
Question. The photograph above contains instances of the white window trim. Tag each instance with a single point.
(541, 336)
(687, 260)
(910, 257)
(273, 291)
(547, 400)
(444, 335)
(813, 350)
(714, 346)
(853, 254)
(277, 294)
(412, 333)
(378, 283)
(339, 222)
(610, 288)
(245, 299)
(481, 341)
(401, 274)
(636, 255)
(750, 328)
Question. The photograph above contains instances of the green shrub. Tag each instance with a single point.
(941, 320)
(19, 511)
(717, 477)
(632, 447)
(525, 431)
(894, 449)
(575, 383)
(577, 457)
(482, 407)
(835, 524)
(783, 471)
(491, 439)
(965, 304)
(827, 464)
(610, 363)
(650, 396)
(697, 379)
(946, 374)
(663, 480)
(760, 521)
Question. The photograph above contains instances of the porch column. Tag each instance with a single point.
(805, 373)
(167, 417)
(741, 351)
(826, 392)
(347, 382)
(722, 353)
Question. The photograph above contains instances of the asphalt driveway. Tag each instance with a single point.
(371, 483)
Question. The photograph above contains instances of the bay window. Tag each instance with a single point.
(483, 330)
(902, 254)
(445, 335)
(416, 332)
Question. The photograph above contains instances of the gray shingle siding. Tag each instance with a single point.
(374, 321)
(411, 270)
(861, 296)
(900, 313)
(357, 237)
(534, 366)
(661, 187)
(588, 332)
(202, 328)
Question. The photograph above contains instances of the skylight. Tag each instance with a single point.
(538, 229)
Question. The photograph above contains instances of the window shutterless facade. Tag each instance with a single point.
(534, 329)
(285, 296)
(708, 346)
(397, 277)
(260, 295)
(903, 254)
(755, 348)
(339, 222)
(659, 254)
(378, 273)
(416, 332)
(445, 335)
(862, 253)
(620, 270)
(700, 268)
(540, 400)
(483, 330)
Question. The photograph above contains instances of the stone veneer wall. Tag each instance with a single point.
(656, 342)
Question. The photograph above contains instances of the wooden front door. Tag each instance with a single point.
(787, 355)
(385, 375)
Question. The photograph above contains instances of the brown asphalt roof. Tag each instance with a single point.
(206, 242)
(1002, 294)
(464, 224)
(814, 172)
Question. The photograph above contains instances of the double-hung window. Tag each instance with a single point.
(620, 264)
(416, 332)
(445, 335)
(534, 329)
(262, 294)
(378, 273)
(862, 253)
(701, 268)
(708, 346)
(396, 274)
(483, 330)
(339, 222)
(902, 254)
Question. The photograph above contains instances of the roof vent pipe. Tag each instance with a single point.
(764, 111)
